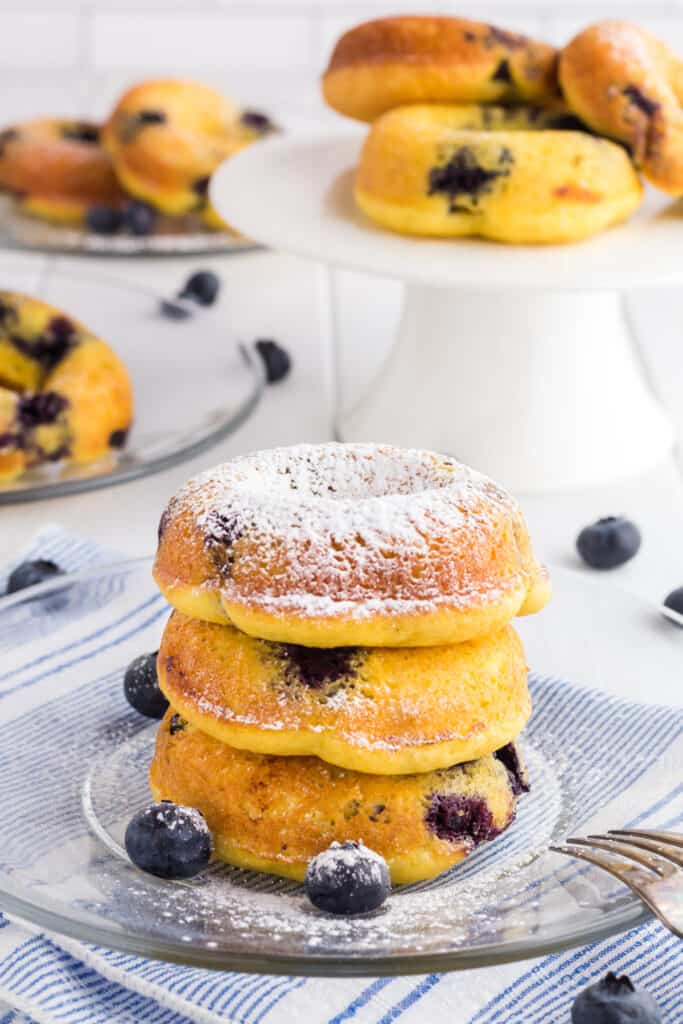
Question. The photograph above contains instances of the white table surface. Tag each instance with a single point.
(273, 295)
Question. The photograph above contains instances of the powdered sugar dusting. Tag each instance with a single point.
(353, 530)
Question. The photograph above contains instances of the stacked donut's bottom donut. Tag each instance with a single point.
(439, 170)
(274, 813)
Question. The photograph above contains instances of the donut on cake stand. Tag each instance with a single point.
(516, 359)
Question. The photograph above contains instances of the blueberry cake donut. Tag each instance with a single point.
(420, 174)
(167, 137)
(275, 813)
(57, 168)
(391, 62)
(64, 395)
(385, 710)
(339, 545)
(627, 84)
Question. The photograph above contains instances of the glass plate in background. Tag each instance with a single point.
(74, 761)
(170, 238)
(192, 384)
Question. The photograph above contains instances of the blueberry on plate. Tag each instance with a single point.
(609, 542)
(347, 878)
(141, 687)
(614, 1000)
(28, 574)
(104, 220)
(139, 218)
(169, 840)
(276, 359)
(203, 287)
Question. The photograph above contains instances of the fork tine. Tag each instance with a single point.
(673, 838)
(631, 851)
(606, 863)
(659, 846)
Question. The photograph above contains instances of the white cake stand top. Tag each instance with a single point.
(295, 194)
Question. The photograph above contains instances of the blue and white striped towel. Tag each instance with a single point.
(53, 980)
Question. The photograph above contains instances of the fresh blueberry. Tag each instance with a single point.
(347, 878)
(614, 1000)
(139, 218)
(203, 287)
(674, 600)
(141, 687)
(276, 359)
(257, 121)
(29, 573)
(609, 542)
(104, 220)
(175, 309)
(169, 841)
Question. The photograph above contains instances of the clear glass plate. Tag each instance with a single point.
(170, 238)
(73, 762)
(192, 384)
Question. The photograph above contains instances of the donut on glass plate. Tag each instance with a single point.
(275, 813)
(167, 137)
(420, 173)
(57, 168)
(390, 62)
(384, 710)
(339, 545)
(64, 395)
(625, 83)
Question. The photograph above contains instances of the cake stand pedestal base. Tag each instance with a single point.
(540, 390)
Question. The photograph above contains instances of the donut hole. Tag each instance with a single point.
(348, 473)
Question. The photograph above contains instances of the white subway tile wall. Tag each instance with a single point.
(75, 56)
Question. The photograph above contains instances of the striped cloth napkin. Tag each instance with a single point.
(53, 980)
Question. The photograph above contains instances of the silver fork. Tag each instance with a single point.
(658, 881)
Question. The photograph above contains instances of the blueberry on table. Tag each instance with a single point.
(169, 840)
(104, 220)
(347, 878)
(609, 542)
(674, 600)
(276, 359)
(257, 121)
(28, 574)
(139, 218)
(615, 1000)
(203, 287)
(141, 687)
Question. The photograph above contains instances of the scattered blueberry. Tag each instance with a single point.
(347, 878)
(29, 573)
(169, 841)
(175, 309)
(674, 600)
(139, 218)
(104, 220)
(276, 359)
(609, 542)
(257, 121)
(141, 687)
(203, 287)
(614, 1000)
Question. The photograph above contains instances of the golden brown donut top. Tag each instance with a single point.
(346, 529)
(626, 83)
(426, 39)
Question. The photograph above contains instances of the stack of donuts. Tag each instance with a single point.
(339, 662)
(479, 131)
(159, 146)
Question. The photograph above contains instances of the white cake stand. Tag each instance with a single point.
(516, 359)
